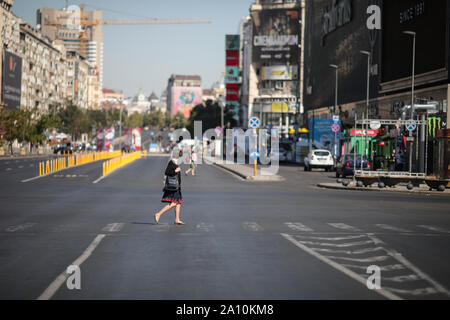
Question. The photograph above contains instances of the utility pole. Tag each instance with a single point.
(411, 113)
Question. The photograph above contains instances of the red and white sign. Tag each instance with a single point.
(362, 133)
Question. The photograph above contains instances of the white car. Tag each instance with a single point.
(319, 159)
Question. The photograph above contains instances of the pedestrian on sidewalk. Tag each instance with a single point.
(172, 188)
(193, 161)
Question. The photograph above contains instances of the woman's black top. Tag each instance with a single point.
(170, 171)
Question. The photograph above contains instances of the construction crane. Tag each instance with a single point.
(84, 23)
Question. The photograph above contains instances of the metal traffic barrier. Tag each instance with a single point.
(77, 159)
(116, 163)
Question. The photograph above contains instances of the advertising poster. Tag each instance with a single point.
(321, 135)
(276, 35)
(232, 75)
(105, 139)
(232, 42)
(279, 73)
(185, 99)
(12, 80)
(133, 138)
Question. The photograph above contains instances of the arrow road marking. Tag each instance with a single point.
(20, 227)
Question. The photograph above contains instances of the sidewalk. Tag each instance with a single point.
(423, 189)
(246, 172)
(27, 156)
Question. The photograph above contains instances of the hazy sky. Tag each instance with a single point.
(145, 56)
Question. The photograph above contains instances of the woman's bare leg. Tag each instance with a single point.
(177, 214)
(164, 210)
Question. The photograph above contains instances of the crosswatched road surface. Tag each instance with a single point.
(242, 240)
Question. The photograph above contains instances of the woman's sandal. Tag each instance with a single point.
(156, 220)
(180, 223)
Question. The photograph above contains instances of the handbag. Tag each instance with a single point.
(172, 183)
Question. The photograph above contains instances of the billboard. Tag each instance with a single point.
(12, 80)
(133, 138)
(232, 42)
(232, 74)
(185, 99)
(340, 45)
(429, 19)
(279, 73)
(321, 135)
(105, 139)
(276, 35)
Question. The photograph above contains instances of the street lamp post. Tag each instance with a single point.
(411, 115)
(335, 105)
(120, 123)
(369, 58)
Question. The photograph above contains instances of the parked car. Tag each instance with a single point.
(63, 149)
(344, 167)
(319, 159)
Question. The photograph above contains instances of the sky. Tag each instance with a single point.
(143, 57)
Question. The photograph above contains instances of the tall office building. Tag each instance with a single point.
(64, 25)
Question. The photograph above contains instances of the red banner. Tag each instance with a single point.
(362, 133)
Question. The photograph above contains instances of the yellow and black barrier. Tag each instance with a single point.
(75, 160)
(116, 163)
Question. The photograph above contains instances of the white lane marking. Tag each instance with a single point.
(416, 292)
(433, 228)
(355, 252)
(392, 267)
(334, 238)
(8, 169)
(252, 226)
(400, 258)
(365, 260)
(20, 167)
(342, 245)
(297, 226)
(113, 227)
(392, 228)
(58, 282)
(205, 227)
(400, 279)
(31, 165)
(343, 226)
(21, 227)
(339, 267)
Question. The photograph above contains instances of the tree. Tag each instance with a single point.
(136, 120)
(208, 114)
(72, 121)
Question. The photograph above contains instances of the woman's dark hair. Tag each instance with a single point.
(180, 153)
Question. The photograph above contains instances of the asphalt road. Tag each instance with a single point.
(242, 240)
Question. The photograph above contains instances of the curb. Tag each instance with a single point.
(337, 187)
(251, 178)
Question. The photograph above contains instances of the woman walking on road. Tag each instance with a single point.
(193, 160)
(172, 189)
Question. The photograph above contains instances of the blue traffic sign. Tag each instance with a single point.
(254, 154)
(411, 125)
(254, 123)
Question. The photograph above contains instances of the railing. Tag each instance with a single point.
(70, 161)
(118, 162)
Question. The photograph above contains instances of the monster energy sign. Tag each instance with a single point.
(434, 124)
(340, 14)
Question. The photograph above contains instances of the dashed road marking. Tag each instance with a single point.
(205, 227)
(8, 169)
(21, 227)
(433, 228)
(297, 226)
(113, 227)
(343, 226)
(20, 167)
(392, 228)
(252, 226)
